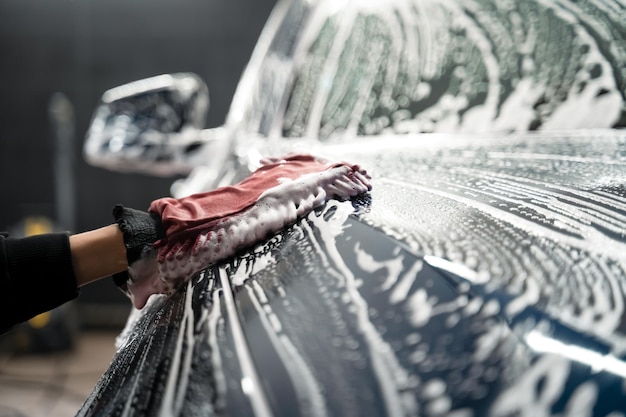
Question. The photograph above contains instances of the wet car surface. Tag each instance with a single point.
(485, 272)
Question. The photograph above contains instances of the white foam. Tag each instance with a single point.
(392, 377)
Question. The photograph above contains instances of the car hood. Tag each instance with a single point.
(482, 275)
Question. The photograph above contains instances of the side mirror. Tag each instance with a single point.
(154, 126)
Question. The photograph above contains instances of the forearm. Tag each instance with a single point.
(97, 254)
(41, 272)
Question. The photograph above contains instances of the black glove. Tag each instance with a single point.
(141, 230)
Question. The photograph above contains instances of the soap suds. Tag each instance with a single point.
(206, 228)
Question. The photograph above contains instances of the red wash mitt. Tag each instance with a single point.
(209, 227)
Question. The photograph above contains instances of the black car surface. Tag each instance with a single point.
(485, 273)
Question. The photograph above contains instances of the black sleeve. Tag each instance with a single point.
(36, 275)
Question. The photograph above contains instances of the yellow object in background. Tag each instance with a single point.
(51, 331)
(37, 225)
(34, 225)
(40, 321)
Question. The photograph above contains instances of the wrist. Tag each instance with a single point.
(97, 254)
(140, 230)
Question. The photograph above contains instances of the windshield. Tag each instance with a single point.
(324, 69)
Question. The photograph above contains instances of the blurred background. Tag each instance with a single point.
(57, 58)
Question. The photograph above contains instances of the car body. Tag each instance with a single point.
(485, 272)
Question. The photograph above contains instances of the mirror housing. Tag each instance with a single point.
(152, 126)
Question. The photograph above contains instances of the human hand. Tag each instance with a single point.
(196, 231)
(140, 230)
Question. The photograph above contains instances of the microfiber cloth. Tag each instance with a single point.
(205, 228)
